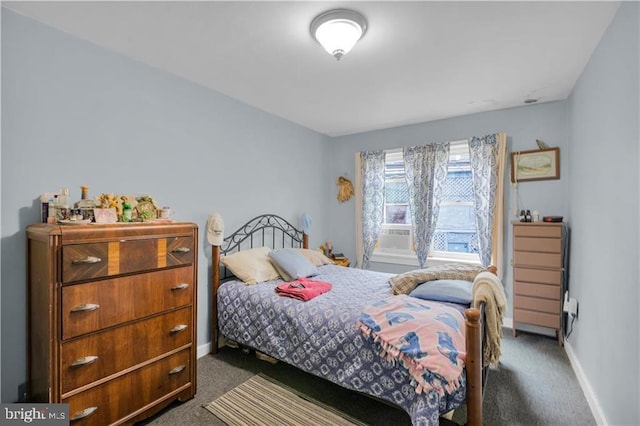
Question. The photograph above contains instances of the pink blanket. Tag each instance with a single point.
(303, 288)
(427, 337)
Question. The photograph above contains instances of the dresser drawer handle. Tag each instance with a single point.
(181, 250)
(178, 328)
(180, 286)
(83, 413)
(177, 369)
(87, 260)
(85, 307)
(84, 360)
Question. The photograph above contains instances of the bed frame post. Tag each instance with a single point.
(215, 283)
(474, 368)
(305, 241)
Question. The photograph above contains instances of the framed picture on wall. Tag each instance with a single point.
(539, 164)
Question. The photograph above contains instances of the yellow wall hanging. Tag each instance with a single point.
(345, 189)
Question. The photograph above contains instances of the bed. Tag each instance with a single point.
(320, 336)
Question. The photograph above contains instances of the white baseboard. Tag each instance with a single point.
(592, 400)
(507, 322)
(203, 350)
(596, 410)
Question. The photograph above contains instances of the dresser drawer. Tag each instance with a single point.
(100, 355)
(542, 260)
(537, 304)
(537, 290)
(81, 262)
(538, 230)
(546, 245)
(96, 305)
(542, 276)
(179, 251)
(541, 319)
(85, 261)
(123, 396)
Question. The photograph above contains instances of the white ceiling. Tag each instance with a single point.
(418, 61)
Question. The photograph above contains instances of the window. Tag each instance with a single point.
(455, 237)
(396, 236)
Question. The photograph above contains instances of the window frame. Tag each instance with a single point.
(408, 257)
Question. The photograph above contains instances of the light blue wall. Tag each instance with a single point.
(603, 199)
(73, 114)
(523, 126)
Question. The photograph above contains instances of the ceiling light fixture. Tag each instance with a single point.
(338, 30)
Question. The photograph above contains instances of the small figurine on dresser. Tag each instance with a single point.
(105, 208)
(108, 208)
(146, 208)
(128, 208)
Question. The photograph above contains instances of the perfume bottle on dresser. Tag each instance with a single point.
(85, 204)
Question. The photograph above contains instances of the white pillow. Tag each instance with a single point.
(251, 266)
(316, 257)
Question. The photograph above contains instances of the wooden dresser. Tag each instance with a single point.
(538, 275)
(111, 318)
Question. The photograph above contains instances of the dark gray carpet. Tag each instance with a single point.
(533, 385)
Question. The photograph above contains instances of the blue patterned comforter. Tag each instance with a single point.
(320, 336)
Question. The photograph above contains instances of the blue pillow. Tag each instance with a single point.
(291, 264)
(456, 291)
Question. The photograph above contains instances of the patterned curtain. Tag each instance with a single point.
(425, 170)
(372, 176)
(483, 155)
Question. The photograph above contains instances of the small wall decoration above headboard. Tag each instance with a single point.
(539, 164)
(345, 189)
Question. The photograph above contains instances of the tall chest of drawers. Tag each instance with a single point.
(111, 318)
(538, 261)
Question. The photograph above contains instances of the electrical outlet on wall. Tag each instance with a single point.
(573, 307)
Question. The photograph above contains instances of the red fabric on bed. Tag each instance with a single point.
(303, 289)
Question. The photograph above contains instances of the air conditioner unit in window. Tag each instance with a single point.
(395, 239)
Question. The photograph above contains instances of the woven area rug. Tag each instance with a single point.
(264, 401)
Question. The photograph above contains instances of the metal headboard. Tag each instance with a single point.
(261, 230)
(267, 230)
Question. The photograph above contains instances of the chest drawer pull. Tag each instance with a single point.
(180, 286)
(181, 250)
(83, 413)
(85, 307)
(86, 260)
(178, 328)
(84, 360)
(177, 369)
